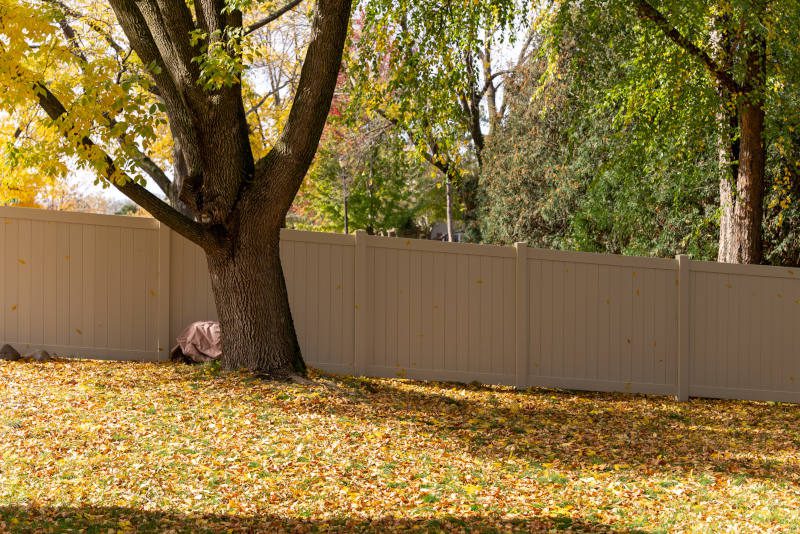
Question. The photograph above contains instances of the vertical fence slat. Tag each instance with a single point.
(683, 326)
(522, 307)
(363, 317)
(164, 253)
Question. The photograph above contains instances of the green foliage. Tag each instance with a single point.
(586, 164)
(412, 56)
(418, 65)
(610, 143)
(388, 188)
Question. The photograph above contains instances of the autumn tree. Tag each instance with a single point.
(371, 167)
(103, 90)
(590, 158)
(434, 70)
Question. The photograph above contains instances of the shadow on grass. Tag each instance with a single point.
(578, 429)
(97, 519)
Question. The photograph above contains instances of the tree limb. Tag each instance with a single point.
(298, 142)
(141, 159)
(144, 162)
(170, 23)
(275, 15)
(646, 11)
(141, 39)
(106, 35)
(141, 196)
(261, 101)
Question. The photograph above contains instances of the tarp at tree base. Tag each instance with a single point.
(199, 342)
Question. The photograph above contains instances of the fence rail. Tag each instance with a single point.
(122, 288)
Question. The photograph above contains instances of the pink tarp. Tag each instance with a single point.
(199, 342)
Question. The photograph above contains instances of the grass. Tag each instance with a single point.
(96, 446)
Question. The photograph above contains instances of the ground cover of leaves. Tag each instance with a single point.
(99, 447)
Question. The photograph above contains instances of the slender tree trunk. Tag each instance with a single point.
(729, 147)
(726, 203)
(742, 201)
(727, 119)
(253, 304)
(448, 193)
(744, 234)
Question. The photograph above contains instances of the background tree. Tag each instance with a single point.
(659, 97)
(572, 166)
(185, 66)
(389, 190)
(432, 69)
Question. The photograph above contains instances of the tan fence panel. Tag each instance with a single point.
(440, 311)
(602, 322)
(743, 332)
(191, 298)
(319, 271)
(78, 284)
(319, 275)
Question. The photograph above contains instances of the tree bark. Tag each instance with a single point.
(743, 234)
(741, 199)
(740, 239)
(253, 305)
(448, 197)
(722, 49)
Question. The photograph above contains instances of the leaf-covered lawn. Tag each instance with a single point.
(143, 447)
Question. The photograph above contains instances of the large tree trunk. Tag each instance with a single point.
(228, 203)
(740, 222)
(250, 292)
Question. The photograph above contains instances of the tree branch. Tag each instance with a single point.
(141, 39)
(261, 101)
(170, 23)
(298, 142)
(141, 196)
(275, 15)
(140, 158)
(144, 162)
(645, 11)
(106, 35)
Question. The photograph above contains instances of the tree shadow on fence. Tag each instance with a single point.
(579, 429)
(19, 519)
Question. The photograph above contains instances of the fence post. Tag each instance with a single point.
(684, 310)
(163, 291)
(363, 319)
(522, 327)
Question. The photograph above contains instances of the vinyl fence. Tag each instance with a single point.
(122, 288)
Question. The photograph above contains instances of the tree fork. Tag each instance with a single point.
(237, 205)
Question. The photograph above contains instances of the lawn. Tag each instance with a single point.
(103, 446)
